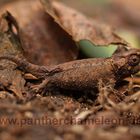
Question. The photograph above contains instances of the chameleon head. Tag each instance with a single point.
(127, 63)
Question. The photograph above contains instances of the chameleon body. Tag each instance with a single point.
(83, 74)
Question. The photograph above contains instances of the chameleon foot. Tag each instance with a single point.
(39, 88)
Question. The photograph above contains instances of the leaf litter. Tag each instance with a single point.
(64, 104)
(80, 27)
(40, 36)
(10, 78)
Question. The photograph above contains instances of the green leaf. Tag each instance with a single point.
(91, 50)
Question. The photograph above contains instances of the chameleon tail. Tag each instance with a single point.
(22, 63)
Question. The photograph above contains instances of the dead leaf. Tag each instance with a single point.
(79, 26)
(10, 78)
(44, 41)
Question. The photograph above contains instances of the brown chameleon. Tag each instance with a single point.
(82, 74)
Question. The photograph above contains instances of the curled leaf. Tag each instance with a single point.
(44, 42)
(79, 26)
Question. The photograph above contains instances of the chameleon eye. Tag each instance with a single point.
(134, 60)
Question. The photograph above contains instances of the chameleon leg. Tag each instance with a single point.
(39, 88)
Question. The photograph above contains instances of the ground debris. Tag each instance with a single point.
(107, 113)
(10, 78)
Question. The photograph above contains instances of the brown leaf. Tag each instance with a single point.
(79, 26)
(44, 41)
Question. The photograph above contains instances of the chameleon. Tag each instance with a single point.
(82, 74)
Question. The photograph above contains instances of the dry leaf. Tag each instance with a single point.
(44, 41)
(10, 78)
(79, 26)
